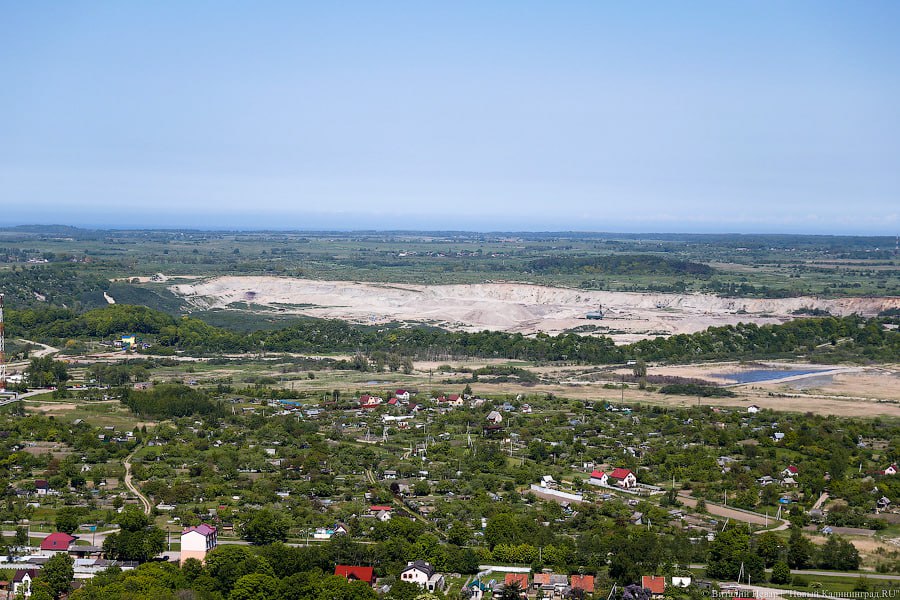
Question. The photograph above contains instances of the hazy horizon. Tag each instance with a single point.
(702, 118)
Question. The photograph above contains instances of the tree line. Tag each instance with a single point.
(825, 339)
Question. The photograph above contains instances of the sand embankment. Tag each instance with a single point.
(511, 307)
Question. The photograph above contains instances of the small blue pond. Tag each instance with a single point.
(757, 375)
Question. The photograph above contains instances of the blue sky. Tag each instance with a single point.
(667, 116)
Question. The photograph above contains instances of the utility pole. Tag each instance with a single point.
(2, 350)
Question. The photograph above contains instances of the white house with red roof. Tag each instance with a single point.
(623, 478)
(57, 542)
(791, 471)
(402, 395)
(891, 470)
(598, 478)
(197, 541)
(382, 513)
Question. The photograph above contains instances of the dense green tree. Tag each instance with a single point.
(226, 564)
(781, 573)
(404, 590)
(769, 547)
(67, 519)
(45, 371)
(265, 526)
(137, 539)
(729, 552)
(255, 586)
(800, 550)
(58, 573)
(511, 591)
(839, 554)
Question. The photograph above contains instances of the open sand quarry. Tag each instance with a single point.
(507, 306)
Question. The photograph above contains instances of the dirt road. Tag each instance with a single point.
(744, 516)
(131, 487)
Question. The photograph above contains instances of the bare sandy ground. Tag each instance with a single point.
(510, 307)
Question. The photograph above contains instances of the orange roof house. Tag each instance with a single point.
(584, 583)
(656, 585)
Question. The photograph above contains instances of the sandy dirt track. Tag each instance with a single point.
(510, 307)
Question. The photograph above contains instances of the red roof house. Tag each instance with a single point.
(623, 477)
(584, 583)
(520, 578)
(656, 585)
(355, 573)
(57, 542)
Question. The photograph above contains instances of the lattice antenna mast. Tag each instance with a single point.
(2, 350)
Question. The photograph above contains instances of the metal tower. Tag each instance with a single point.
(2, 350)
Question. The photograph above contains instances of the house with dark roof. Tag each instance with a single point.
(424, 575)
(22, 581)
(354, 573)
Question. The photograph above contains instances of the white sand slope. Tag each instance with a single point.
(506, 306)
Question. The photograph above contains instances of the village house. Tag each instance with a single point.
(57, 542)
(495, 417)
(453, 400)
(585, 583)
(623, 478)
(382, 513)
(790, 471)
(551, 584)
(656, 585)
(891, 470)
(753, 409)
(402, 395)
(197, 541)
(520, 579)
(353, 573)
(422, 574)
(477, 589)
(598, 478)
(22, 581)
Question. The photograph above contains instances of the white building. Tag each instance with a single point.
(196, 542)
(598, 478)
(22, 582)
(423, 574)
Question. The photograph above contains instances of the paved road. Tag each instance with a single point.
(131, 486)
